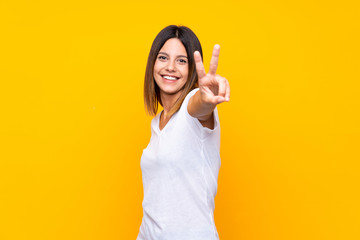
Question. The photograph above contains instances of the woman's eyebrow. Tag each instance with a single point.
(168, 54)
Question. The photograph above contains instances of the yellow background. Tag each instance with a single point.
(73, 124)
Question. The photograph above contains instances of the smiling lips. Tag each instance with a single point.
(170, 77)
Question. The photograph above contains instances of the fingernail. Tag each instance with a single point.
(227, 99)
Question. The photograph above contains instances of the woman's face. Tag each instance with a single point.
(171, 67)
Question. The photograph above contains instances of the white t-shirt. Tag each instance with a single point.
(180, 168)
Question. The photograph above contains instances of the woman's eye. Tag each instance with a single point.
(182, 60)
(162, 57)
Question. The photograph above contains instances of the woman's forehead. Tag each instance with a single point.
(173, 47)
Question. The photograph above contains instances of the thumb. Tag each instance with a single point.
(219, 99)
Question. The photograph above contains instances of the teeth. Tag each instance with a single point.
(169, 78)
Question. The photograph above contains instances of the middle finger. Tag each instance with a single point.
(214, 60)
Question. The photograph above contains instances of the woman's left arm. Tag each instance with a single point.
(213, 89)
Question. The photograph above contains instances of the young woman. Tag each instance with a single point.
(180, 165)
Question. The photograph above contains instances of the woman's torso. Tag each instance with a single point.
(180, 168)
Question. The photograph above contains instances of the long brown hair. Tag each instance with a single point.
(151, 89)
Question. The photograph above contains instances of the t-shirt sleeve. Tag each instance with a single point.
(199, 129)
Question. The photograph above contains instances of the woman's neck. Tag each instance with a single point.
(168, 101)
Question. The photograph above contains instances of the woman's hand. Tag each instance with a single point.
(214, 89)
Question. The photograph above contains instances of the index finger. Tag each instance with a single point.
(199, 65)
(214, 60)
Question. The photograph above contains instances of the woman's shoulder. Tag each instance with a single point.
(155, 120)
(188, 96)
(192, 92)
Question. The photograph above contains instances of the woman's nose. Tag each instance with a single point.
(170, 66)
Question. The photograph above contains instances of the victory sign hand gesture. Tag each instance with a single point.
(213, 88)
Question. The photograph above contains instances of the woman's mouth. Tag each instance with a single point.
(169, 78)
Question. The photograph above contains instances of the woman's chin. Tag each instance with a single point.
(170, 90)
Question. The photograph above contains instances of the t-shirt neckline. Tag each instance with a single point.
(158, 122)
